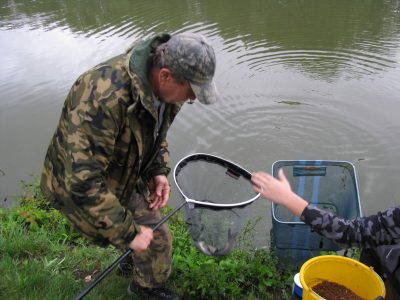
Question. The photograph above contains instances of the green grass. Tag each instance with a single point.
(42, 257)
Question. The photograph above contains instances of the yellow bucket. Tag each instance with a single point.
(350, 273)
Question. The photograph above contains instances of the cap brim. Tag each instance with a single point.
(206, 93)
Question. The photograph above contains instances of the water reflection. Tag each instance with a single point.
(321, 38)
(313, 79)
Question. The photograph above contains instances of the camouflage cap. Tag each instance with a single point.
(190, 56)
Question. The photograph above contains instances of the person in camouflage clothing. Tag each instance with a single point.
(107, 164)
(378, 235)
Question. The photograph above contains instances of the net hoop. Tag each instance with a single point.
(215, 159)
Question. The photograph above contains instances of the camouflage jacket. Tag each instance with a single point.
(105, 138)
(367, 232)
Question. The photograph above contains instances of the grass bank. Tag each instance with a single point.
(42, 257)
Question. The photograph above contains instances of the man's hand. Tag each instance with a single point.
(159, 192)
(142, 240)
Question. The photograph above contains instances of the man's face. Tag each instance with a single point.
(171, 91)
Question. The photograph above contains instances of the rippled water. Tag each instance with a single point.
(311, 79)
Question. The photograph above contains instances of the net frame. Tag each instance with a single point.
(220, 161)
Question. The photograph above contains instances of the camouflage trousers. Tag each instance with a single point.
(152, 267)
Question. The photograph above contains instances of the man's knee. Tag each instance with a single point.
(162, 241)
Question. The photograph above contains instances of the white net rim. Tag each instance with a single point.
(215, 159)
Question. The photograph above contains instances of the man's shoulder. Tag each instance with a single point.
(107, 83)
(112, 70)
(116, 63)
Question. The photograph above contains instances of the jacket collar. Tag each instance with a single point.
(137, 66)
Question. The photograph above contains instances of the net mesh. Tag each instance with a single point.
(218, 193)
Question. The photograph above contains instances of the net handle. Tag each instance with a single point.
(178, 166)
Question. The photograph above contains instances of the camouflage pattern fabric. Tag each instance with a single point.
(105, 138)
(196, 57)
(382, 228)
(152, 267)
(379, 234)
(190, 56)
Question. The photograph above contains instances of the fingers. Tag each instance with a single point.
(267, 185)
(159, 201)
(147, 232)
(165, 196)
(160, 195)
(142, 240)
(282, 176)
(260, 178)
(159, 189)
(284, 180)
(154, 201)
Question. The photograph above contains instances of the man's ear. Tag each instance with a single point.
(164, 75)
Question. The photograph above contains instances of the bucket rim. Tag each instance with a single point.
(340, 259)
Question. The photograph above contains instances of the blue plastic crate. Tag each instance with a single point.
(331, 185)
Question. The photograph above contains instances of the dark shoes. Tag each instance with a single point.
(151, 293)
(125, 268)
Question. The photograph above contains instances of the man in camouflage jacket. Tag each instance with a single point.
(378, 235)
(106, 166)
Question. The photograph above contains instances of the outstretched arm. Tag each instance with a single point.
(378, 229)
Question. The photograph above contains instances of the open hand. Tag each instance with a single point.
(278, 191)
(159, 192)
(271, 188)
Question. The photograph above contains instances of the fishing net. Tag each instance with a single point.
(217, 193)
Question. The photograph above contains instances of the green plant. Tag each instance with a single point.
(242, 274)
(42, 257)
(33, 212)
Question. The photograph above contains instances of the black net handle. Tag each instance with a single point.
(233, 169)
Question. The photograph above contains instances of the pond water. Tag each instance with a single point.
(313, 79)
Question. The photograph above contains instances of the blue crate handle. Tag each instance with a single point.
(309, 170)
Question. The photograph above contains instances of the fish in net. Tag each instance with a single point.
(217, 193)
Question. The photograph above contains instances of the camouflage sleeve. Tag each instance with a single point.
(91, 135)
(379, 229)
(160, 165)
